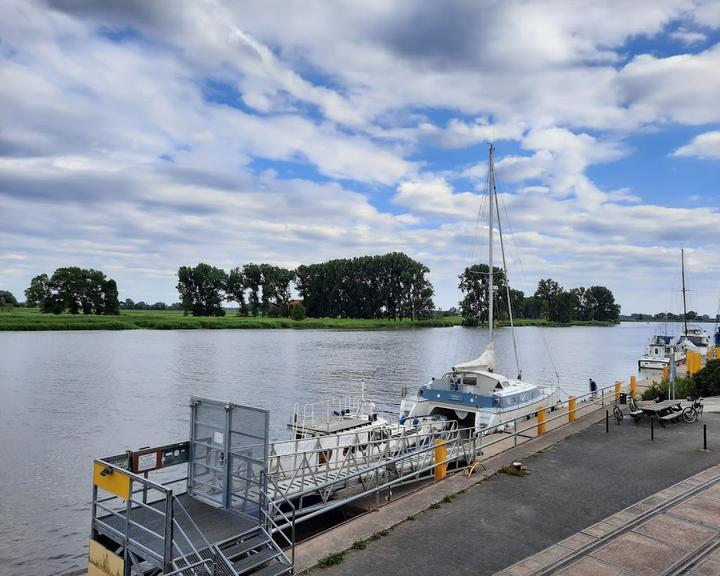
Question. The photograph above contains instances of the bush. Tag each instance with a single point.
(684, 387)
(707, 380)
(298, 312)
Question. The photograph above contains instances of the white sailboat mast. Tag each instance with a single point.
(491, 193)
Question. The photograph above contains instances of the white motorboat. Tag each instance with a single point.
(472, 392)
(697, 336)
(661, 349)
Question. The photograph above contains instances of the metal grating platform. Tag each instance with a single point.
(217, 524)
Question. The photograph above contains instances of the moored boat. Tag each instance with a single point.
(472, 392)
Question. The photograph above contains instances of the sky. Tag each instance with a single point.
(136, 137)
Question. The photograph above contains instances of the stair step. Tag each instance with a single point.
(240, 548)
(242, 566)
(274, 570)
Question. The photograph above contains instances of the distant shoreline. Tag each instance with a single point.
(28, 320)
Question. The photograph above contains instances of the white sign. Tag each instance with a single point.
(147, 462)
(218, 438)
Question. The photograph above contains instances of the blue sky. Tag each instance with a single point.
(137, 137)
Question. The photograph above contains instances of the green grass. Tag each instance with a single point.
(331, 560)
(33, 319)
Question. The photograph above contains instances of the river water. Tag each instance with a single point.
(66, 397)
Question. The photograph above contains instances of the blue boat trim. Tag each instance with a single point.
(477, 401)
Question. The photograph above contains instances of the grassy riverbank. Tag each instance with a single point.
(28, 319)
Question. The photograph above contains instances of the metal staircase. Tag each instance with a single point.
(254, 553)
(216, 520)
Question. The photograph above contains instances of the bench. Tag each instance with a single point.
(673, 416)
(636, 414)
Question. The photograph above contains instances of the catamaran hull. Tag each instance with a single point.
(486, 420)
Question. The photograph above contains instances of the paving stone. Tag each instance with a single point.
(705, 510)
(577, 541)
(537, 561)
(600, 529)
(709, 567)
(676, 532)
(639, 554)
(621, 518)
(713, 492)
(589, 566)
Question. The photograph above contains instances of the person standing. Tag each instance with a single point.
(593, 389)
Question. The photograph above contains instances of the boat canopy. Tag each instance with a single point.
(483, 363)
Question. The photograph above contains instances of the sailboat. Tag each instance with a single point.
(472, 392)
(691, 333)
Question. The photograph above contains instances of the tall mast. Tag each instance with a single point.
(491, 193)
(682, 258)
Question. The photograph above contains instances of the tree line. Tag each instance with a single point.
(389, 286)
(75, 290)
(550, 300)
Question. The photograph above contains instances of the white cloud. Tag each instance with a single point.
(688, 37)
(706, 145)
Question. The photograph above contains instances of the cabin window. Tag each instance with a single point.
(469, 379)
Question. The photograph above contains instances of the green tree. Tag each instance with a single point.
(252, 274)
(74, 289)
(110, 302)
(601, 304)
(7, 299)
(474, 288)
(235, 290)
(567, 306)
(547, 294)
(38, 291)
(201, 289)
(297, 312)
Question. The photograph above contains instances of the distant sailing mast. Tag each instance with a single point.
(684, 291)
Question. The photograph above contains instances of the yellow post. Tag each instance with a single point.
(440, 459)
(571, 409)
(694, 362)
(541, 426)
(633, 386)
(618, 387)
(666, 373)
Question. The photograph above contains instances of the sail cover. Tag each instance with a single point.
(483, 363)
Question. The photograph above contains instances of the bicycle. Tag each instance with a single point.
(694, 411)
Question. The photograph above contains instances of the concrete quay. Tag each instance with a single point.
(578, 476)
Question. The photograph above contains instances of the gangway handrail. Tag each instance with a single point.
(273, 526)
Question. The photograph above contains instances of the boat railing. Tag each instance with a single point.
(327, 411)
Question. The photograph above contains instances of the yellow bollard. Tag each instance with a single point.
(633, 386)
(541, 426)
(571, 409)
(440, 459)
(666, 374)
(694, 362)
(618, 387)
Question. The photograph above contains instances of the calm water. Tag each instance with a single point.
(66, 397)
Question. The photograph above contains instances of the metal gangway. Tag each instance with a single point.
(321, 473)
(197, 507)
